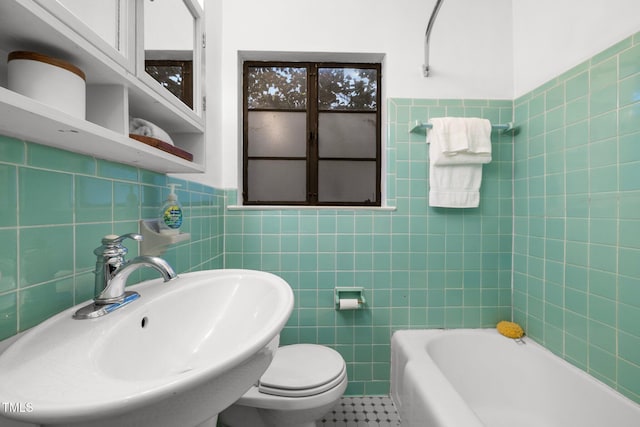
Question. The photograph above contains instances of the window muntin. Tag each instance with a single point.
(325, 116)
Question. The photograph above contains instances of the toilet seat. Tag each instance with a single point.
(302, 370)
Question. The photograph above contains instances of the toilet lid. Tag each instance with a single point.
(302, 370)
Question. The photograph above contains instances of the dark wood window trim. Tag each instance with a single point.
(312, 110)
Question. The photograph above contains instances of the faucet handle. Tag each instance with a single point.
(112, 245)
(114, 239)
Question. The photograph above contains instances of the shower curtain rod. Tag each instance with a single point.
(427, 36)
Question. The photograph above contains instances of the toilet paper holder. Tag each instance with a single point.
(349, 293)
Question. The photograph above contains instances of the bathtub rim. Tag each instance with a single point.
(414, 343)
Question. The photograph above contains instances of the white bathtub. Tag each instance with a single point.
(476, 377)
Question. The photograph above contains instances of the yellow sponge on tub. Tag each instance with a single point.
(510, 329)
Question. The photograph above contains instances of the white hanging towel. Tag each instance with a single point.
(458, 149)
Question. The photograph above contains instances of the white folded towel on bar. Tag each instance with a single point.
(143, 127)
(461, 135)
(458, 149)
(441, 159)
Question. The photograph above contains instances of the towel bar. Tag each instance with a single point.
(415, 126)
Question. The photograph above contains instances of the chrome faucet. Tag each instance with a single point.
(112, 272)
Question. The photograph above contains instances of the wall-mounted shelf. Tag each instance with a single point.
(114, 92)
(154, 243)
(24, 118)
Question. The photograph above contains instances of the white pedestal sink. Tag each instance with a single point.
(177, 356)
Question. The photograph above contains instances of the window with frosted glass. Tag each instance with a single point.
(311, 134)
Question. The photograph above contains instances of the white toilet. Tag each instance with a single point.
(303, 382)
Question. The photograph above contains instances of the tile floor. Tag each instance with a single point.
(371, 411)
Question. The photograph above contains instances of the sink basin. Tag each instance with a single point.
(177, 356)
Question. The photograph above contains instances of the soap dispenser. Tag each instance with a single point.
(171, 213)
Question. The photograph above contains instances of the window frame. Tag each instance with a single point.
(312, 111)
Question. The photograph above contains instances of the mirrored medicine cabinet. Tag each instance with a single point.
(170, 54)
(108, 24)
(169, 46)
(155, 39)
(141, 58)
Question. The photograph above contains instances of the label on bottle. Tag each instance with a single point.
(172, 216)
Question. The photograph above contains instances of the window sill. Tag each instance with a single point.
(309, 208)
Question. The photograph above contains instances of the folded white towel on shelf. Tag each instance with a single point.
(458, 149)
(143, 127)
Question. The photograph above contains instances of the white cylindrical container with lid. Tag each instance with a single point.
(52, 81)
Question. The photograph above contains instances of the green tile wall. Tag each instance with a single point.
(420, 266)
(55, 206)
(577, 215)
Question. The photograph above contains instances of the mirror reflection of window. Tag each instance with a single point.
(169, 44)
(176, 76)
